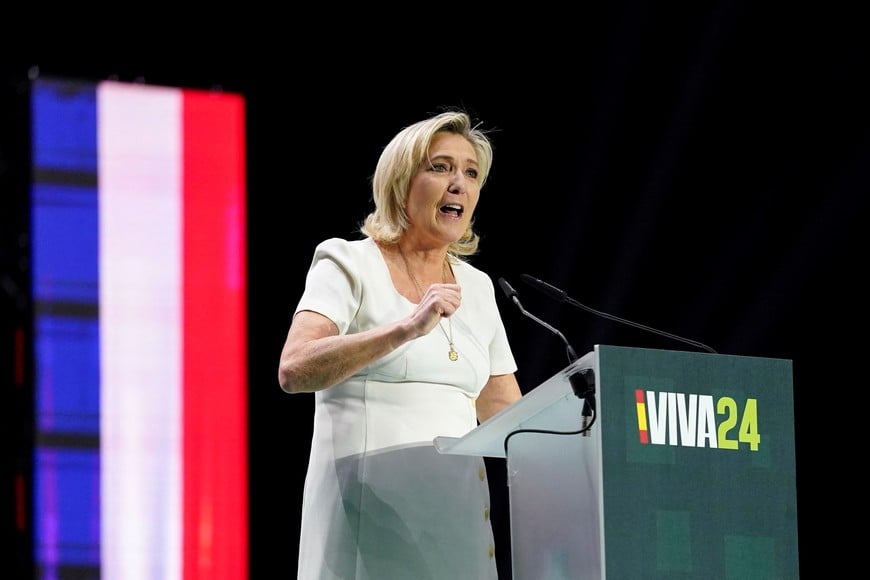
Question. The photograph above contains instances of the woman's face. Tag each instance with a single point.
(444, 191)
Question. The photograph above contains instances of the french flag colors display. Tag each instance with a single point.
(140, 331)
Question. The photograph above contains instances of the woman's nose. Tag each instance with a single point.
(457, 182)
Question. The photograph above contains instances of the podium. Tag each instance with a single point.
(688, 471)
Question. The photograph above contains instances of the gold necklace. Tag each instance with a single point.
(452, 354)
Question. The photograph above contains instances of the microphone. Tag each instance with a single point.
(583, 391)
(512, 295)
(562, 296)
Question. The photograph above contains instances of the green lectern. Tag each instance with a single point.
(688, 470)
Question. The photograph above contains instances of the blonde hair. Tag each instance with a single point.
(397, 164)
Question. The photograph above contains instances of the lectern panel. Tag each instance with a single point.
(698, 465)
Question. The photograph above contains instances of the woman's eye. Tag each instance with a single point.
(440, 167)
(473, 173)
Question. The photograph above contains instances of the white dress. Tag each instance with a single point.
(380, 503)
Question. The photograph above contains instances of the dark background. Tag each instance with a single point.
(703, 170)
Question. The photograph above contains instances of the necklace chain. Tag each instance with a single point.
(451, 354)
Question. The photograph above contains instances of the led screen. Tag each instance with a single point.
(140, 332)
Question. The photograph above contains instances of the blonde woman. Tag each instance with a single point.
(400, 339)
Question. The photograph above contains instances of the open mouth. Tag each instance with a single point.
(452, 209)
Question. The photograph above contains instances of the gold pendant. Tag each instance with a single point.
(454, 356)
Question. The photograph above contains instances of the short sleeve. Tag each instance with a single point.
(332, 286)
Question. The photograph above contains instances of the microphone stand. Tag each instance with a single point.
(583, 390)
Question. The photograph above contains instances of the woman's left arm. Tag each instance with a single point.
(499, 392)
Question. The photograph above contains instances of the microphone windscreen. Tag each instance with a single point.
(507, 288)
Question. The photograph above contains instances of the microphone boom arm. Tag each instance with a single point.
(584, 390)
(562, 296)
(572, 355)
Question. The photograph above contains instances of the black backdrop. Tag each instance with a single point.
(702, 170)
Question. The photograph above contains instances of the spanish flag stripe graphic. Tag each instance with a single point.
(642, 429)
